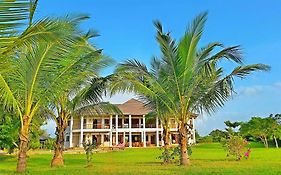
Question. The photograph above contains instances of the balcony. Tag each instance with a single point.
(96, 126)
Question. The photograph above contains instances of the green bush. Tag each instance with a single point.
(235, 146)
(35, 145)
(49, 144)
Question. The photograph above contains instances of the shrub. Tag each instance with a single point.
(35, 145)
(88, 147)
(49, 144)
(235, 146)
(174, 154)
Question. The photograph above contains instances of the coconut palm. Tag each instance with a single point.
(36, 63)
(85, 101)
(191, 80)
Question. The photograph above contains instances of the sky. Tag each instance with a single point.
(126, 31)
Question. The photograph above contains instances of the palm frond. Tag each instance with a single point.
(243, 71)
(102, 108)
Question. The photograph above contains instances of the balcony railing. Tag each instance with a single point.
(96, 126)
(107, 126)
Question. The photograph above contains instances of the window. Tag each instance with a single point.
(84, 139)
(67, 139)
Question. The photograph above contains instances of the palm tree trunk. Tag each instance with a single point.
(23, 147)
(58, 147)
(167, 156)
(183, 145)
(275, 140)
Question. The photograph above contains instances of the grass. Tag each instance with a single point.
(205, 159)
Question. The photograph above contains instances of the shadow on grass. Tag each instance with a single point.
(215, 160)
(6, 157)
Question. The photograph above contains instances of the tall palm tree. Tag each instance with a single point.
(192, 79)
(76, 103)
(36, 62)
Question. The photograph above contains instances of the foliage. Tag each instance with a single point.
(218, 135)
(186, 79)
(231, 126)
(174, 154)
(89, 147)
(262, 128)
(9, 127)
(36, 132)
(205, 139)
(235, 146)
(49, 144)
(39, 60)
(35, 144)
(197, 135)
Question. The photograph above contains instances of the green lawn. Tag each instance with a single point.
(206, 159)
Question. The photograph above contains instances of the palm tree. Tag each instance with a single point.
(36, 62)
(76, 103)
(190, 80)
(164, 118)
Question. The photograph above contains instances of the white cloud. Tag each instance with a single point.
(50, 127)
(278, 84)
(119, 98)
(251, 90)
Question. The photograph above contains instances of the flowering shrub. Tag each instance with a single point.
(235, 146)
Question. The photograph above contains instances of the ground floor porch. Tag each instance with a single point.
(131, 139)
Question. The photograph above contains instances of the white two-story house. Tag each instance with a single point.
(131, 128)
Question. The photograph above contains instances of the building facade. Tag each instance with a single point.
(131, 128)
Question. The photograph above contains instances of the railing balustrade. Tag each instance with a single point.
(95, 126)
(125, 125)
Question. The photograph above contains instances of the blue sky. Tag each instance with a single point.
(127, 31)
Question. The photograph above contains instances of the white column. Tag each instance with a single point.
(110, 132)
(139, 123)
(102, 139)
(123, 121)
(162, 139)
(130, 132)
(157, 132)
(70, 132)
(116, 127)
(102, 123)
(81, 131)
(144, 134)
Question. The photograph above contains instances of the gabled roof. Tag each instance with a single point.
(134, 107)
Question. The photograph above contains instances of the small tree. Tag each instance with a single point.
(235, 146)
(88, 147)
(231, 126)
